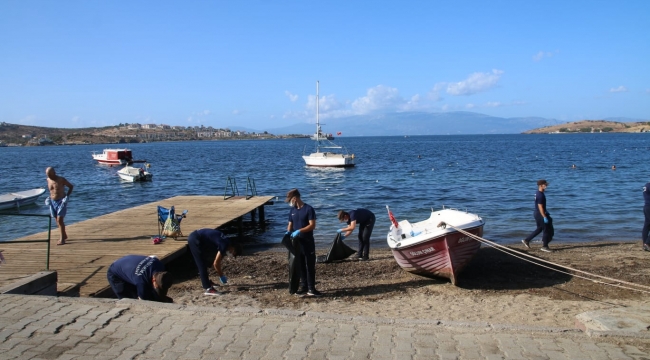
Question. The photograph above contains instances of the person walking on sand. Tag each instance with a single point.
(646, 214)
(209, 246)
(58, 200)
(366, 221)
(542, 218)
(139, 277)
(302, 222)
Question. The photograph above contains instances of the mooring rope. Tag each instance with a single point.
(512, 252)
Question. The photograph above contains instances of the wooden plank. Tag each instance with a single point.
(95, 243)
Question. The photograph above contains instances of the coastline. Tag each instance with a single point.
(495, 287)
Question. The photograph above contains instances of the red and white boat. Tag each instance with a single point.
(114, 157)
(433, 248)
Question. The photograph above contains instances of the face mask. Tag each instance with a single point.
(292, 203)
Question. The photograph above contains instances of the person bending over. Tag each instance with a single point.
(366, 221)
(204, 244)
(139, 277)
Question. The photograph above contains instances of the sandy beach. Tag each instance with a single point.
(495, 287)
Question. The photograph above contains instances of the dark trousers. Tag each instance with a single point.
(365, 230)
(548, 230)
(646, 225)
(199, 256)
(308, 269)
(121, 288)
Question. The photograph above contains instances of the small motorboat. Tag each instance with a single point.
(20, 198)
(134, 174)
(433, 247)
(115, 157)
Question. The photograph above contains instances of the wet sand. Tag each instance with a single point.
(495, 287)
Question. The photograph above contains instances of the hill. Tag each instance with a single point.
(591, 126)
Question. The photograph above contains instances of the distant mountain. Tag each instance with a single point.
(420, 123)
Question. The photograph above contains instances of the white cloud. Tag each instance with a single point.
(236, 112)
(75, 119)
(205, 112)
(618, 89)
(475, 83)
(379, 97)
(291, 96)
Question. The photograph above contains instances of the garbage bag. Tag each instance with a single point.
(337, 251)
(295, 261)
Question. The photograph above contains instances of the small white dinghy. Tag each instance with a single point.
(134, 174)
(20, 198)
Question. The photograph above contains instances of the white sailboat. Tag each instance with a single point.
(333, 155)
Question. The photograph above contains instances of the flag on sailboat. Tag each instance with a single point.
(392, 218)
(339, 133)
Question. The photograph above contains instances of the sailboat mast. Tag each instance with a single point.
(317, 120)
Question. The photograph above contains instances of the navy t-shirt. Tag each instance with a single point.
(646, 194)
(540, 198)
(138, 270)
(299, 218)
(213, 241)
(361, 216)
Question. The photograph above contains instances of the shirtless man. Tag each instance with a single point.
(58, 200)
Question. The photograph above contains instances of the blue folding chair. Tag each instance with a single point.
(169, 223)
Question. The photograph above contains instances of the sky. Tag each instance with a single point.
(255, 64)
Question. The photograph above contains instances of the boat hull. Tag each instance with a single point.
(329, 160)
(21, 198)
(444, 256)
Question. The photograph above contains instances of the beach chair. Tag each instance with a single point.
(169, 223)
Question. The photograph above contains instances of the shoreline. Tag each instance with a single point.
(494, 287)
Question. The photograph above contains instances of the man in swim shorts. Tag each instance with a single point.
(58, 200)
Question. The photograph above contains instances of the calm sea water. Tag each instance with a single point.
(491, 175)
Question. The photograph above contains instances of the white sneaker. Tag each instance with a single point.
(211, 292)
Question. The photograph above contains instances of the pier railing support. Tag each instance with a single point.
(231, 185)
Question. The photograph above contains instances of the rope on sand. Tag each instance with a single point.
(520, 255)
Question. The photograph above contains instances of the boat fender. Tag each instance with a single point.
(442, 225)
(353, 156)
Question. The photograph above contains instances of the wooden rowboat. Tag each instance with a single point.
(432, 249)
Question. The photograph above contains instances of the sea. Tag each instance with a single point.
(493, 176)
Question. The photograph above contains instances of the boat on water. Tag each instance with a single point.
(319, 134)
(20, 198)
(431, 247)
(114, 156)
(327, 154)
(134, 174)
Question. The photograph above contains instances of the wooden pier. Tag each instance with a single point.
(95, 243)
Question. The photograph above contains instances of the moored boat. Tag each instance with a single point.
(134, 174)
(19, 198)
(334, 155)
(114, 157)
(431, 247)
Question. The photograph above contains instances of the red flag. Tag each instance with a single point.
(392, 218)
(339, 133)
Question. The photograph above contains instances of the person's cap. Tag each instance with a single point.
(164, 280)
(292, 193)
(542, 182)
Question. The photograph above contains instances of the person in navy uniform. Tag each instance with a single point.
(302, 222)
(209, 246)
(139, 277)
(542, 218)
(646, 213)
(366, 221)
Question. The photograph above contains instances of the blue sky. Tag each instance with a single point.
(255, 63)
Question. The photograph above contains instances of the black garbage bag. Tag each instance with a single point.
(295, 261)
(337, 251)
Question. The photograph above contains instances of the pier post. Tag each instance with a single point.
(253, 213)
(261, 208)
(240, 226)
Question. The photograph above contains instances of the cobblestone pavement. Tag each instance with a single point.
(40, 327)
